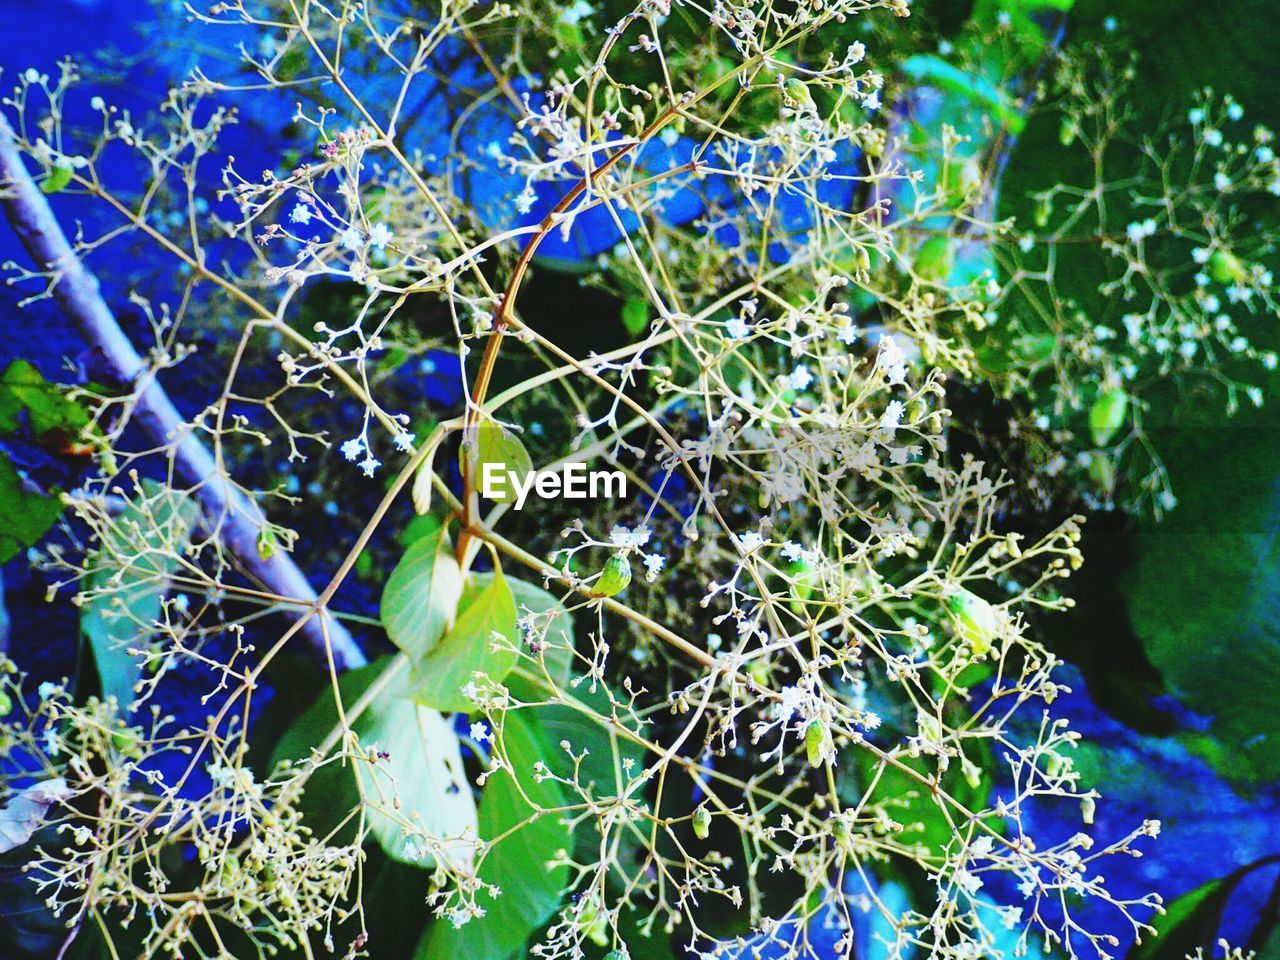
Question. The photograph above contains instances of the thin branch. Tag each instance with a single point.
(234, 517)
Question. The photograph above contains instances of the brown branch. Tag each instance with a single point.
(228, 512)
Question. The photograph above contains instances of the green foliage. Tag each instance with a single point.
(1203, 591)
(55, 421)
(421, 596)
(25, 516)
(405, 772)
(520, 809)
(481, 641)
(499, 446)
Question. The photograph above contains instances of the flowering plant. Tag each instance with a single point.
(789, 696)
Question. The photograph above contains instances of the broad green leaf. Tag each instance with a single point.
(500, 450)
(1204, 590)
(134, 562)
(421, 597)
(25, 516)
(528, 839)
(468, 648)
(22, 387)
(1182, 926)
(551, 623)
(420, 785)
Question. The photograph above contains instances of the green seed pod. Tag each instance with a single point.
(615, 955)
(1107, 415)
(815, 742)
(6, 703)
(842, 829)
(1225, 267)
(798, 93)
(615, 576)
(701, 822)
(975, 621)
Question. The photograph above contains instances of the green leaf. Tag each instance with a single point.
(421, 786)
(500, 450)
(552, 624)
(22, 387)
(134, 561)
(422, 773)
(421, 596)
(930, 69)
(1204, 590)
(635, 316)
(25, 516)
(1107, 414)
(527, 839)
(1183, 925)
(468, 648)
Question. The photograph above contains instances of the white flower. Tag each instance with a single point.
(351, 239)
(469, 691)
(1213, 137)
(403, 442)
(301, 214)
(1234, 110)
(1264, 154)
(626, 539)
(800, 378)
(857, 50)
(524, 202)
(32, 75)
(892, 417)
(352, 448)
(1200, 255)
(872, 102)
(1137, 231)
(794, 551)
(380, 236)
(792, 701)
(1196, 116)
(479, 732)
(751, 540)
(736, 328)
(653, 566)
(892, 360)
(369, 465)
(96, 103)
(1221, 181)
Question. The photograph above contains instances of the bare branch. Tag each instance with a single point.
(235, 518)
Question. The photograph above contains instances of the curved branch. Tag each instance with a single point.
(234, 517)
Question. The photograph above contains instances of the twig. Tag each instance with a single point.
(234, 517)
